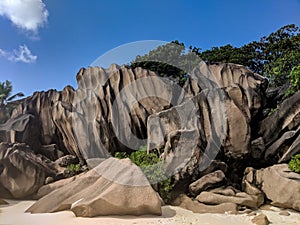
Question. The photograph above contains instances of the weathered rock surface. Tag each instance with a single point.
(115, 187)
(240, 198)
(22, 172)
(208, 181)
(220, 75)
(279, 184)
(261, 219)
(214, 123)
(185, 202)
(89, 122)
(195, 131)
(282, 138)
(48, 188)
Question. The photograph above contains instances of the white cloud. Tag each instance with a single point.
(23, 54)
(28, 15)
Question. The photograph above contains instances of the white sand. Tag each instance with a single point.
(13, 214)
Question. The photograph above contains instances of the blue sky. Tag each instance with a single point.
(43, 43)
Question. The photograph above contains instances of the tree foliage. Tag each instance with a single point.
(274, 56)
(170, 60)
(6, 98)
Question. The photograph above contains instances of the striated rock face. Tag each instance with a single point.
(281, 131)
(115, 187)
(215, 122)
(279, 184)
(22, 172)
(196, 131)
(101, 115)
(220, 75)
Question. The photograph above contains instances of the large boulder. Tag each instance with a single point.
(280, 131)
(114, 187)
(22, 172)
(193, 133)
(185, 202)
(279, 184)
(215, 197)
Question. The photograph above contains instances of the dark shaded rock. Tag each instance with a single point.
(214, 166)
(115, 187)
(280, 131)
(3, 202)
(185, 202)
(51, 151)
(23, 172)
(257, 148)
(67, 160)
(285, 193)
(208, 181)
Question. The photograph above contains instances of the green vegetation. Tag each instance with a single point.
(170, 60)
(273, 110)
(276, 57)
(152, 166)
(6, 104)
(76, 168)
(294, 78)
(294, 164)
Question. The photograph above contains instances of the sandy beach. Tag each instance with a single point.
(13, 214)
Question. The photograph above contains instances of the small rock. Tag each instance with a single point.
(67, 160)
(261, 219)
(252, 214)
(49, 180)
(266, 207)
(246, 211)
(2, 202)
(284, 213)
(208, 181)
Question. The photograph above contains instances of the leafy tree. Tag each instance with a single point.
(6, 98)
(170, 60)
(273, 56)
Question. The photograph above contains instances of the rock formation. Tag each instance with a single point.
(114, 187)
(279, 184)
(22, 172)
(207, 133)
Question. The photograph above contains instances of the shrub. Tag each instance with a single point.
(74, 168)
(294, 164)
(152, 166)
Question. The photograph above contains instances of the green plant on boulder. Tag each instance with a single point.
(74, 168)
(294, 164)
(152, 166)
